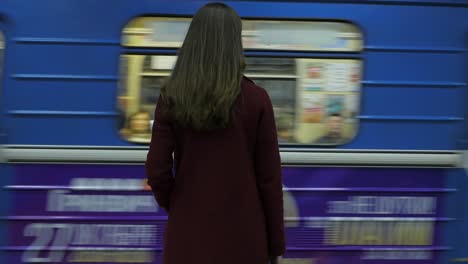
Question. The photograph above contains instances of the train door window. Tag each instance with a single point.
(316, 100)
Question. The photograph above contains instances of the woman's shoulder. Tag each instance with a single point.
(253, 90)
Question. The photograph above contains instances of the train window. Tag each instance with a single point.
(167, 32)
(316, 100)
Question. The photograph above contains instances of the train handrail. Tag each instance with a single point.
(289, 157)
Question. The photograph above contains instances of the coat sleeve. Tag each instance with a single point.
(269, 178)
(159, 161)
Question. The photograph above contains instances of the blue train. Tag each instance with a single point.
(370, 100)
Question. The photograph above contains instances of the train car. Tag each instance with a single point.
(370, 100)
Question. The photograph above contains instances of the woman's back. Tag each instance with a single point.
(217, 133)
(225, 201)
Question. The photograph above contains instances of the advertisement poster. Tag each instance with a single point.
(337, 76)
(328, 101)
(106, 214)
(313, 107)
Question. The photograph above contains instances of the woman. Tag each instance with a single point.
(224, 201)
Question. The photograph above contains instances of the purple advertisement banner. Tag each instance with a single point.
(107, 214)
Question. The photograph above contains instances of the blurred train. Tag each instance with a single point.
(371, 105)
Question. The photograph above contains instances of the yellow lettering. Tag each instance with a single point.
(379, 233)
(368, 234)
(356, 230)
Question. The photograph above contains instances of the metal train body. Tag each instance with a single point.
(73, 187)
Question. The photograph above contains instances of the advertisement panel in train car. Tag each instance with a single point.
(107, 214)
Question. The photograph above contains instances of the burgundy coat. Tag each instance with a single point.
(225, 200)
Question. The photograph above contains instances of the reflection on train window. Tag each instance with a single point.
(316, 101)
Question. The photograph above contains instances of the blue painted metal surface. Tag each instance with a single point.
(459, 3)
(64, 74)
(456, 235)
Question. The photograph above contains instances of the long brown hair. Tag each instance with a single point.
(205, 82)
